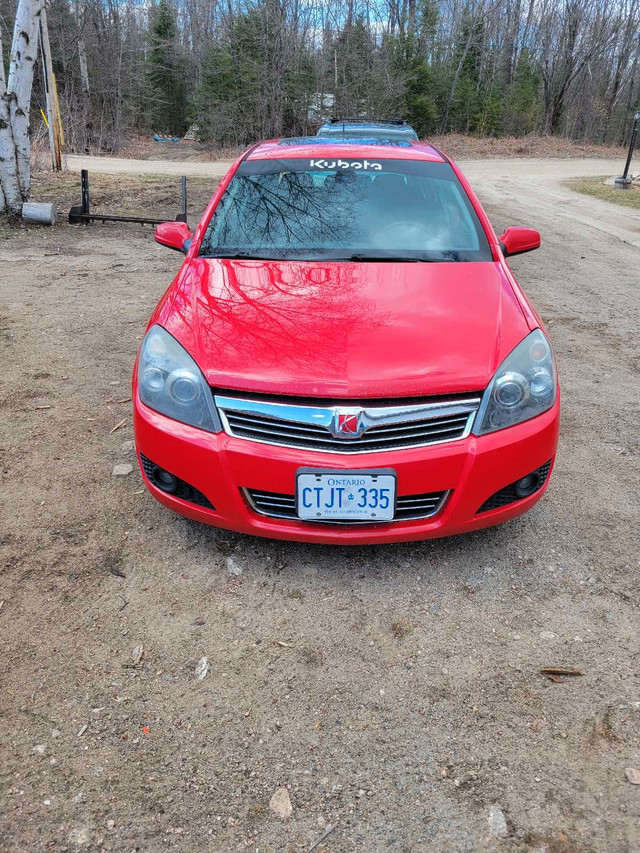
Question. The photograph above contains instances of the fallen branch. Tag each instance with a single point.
(560, 670)
(322, 837)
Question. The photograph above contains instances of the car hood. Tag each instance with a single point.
(345, 329)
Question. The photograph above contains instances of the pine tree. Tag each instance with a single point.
(165, 77)
(421, 108)
(524, 107)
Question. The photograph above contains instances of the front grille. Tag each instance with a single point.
(317, 427)
(508, 494)
(408, 507)
(183, 490)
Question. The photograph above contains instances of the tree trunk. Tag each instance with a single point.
(456, 78)
(10, 198)
(15, 100)
(86, 97)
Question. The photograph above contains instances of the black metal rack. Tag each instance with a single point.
(81, 213)
(359, 120)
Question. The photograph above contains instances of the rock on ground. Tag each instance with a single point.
(497, 823)
(122, 470)
(202, 668)
(280, 803)
(233, 567)
(79, 836)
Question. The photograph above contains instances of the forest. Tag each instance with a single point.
(239, 70)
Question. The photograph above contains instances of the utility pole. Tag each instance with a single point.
(49, 86)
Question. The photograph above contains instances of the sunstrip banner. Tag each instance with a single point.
(365, 165)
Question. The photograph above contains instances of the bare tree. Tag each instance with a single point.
(261, 68)
(570, 35)
(15, 103)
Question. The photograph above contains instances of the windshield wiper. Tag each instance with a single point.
(362, 256)
(243, 256)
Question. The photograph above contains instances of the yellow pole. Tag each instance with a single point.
(57, 110)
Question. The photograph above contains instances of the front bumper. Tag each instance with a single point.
(221, 467)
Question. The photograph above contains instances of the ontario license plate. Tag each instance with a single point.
(346, 495)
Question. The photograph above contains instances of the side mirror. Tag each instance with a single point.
(516, 240)
(174, 235)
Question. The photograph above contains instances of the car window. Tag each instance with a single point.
(349, 209)
(368, 132)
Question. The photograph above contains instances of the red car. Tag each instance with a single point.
(345, 356)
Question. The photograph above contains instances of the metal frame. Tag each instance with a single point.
(397, 122)
(632, 144)
(81, 213)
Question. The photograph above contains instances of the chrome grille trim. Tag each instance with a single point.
(314, 427)
(408, 507)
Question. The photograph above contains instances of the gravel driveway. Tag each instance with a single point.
(393, 692)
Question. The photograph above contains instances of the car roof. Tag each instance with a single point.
(319, 147)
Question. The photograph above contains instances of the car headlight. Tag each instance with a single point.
(524, 386)
(170, 382)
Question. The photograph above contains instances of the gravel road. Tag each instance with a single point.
(394, 692)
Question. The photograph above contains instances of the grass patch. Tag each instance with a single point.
(595, 186)
(257, 812)
(401, 629)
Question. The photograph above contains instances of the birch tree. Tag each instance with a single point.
(15, 100)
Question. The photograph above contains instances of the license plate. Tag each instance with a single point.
(346, 495)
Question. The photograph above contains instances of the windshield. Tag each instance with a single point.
(367, 132)
(347, 209)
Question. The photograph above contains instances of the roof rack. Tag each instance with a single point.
(359, 120)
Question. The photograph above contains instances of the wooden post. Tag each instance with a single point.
(56, 108)
(47, 73)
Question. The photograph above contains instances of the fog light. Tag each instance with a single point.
(164, 480)
(527, 485)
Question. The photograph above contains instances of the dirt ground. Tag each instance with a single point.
(394, 691)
